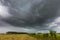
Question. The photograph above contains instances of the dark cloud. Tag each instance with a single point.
(31, 12)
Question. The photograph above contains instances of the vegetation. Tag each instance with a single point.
(32, 36)
(16, 33)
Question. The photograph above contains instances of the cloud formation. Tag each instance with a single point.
(29, 14)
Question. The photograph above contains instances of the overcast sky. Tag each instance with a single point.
(29, 15)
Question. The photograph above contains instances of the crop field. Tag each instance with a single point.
(28, 37)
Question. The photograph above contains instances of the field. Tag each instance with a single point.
(16, 37)
(28, 37)
(52, 35)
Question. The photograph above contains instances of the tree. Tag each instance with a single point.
(53, 34)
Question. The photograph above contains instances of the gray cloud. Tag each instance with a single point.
(32, 12)
(29, 14)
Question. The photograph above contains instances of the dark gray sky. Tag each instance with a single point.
(29, 15)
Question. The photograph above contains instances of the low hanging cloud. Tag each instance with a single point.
(28, 14)
(31, 12)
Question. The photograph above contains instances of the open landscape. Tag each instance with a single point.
(29, 19)
(30, 36)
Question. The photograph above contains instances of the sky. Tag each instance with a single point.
(29, 15)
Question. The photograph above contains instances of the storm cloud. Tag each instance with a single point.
(31, 12)
(36, 14)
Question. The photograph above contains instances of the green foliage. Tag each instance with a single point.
(45, 35)
(16, 33)
(52, 32)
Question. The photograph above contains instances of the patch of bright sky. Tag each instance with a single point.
(55, 25)
(4, 12)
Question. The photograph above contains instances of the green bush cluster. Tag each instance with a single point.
(45, 36)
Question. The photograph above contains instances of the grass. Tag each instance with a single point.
(33, 36)
(27, 37)
(16, 37)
